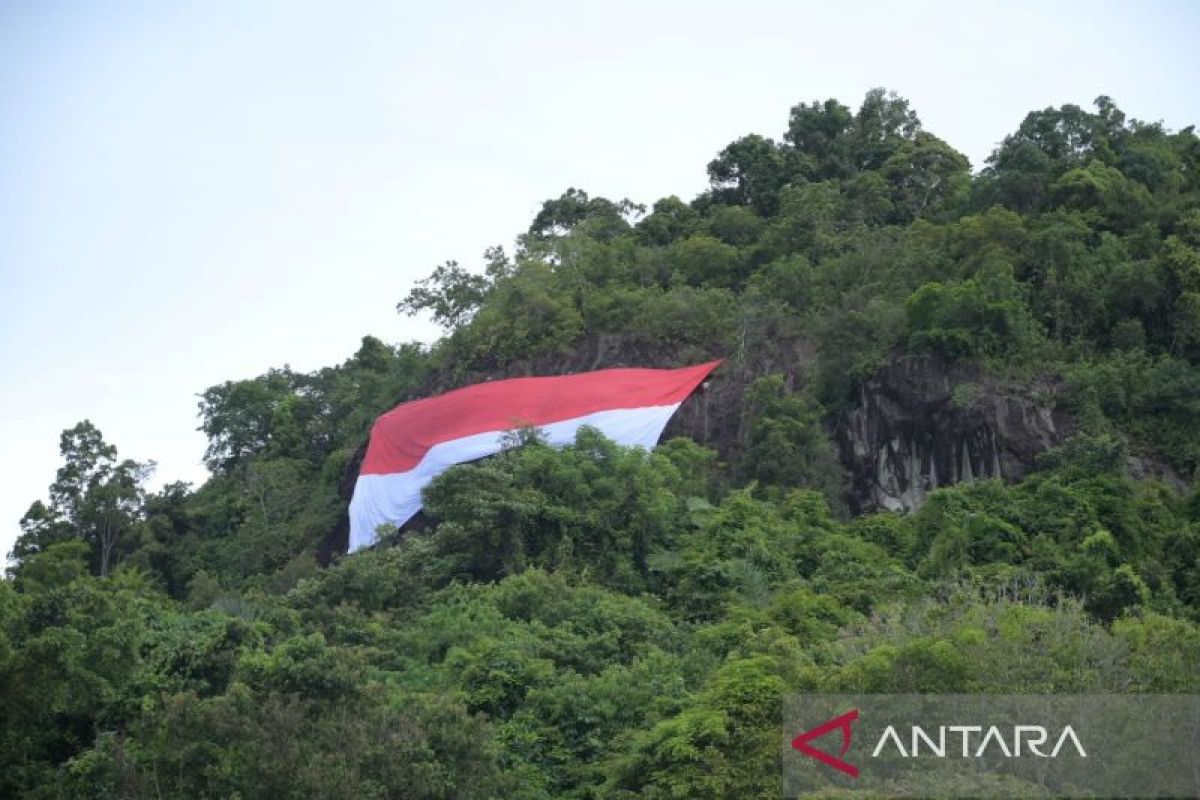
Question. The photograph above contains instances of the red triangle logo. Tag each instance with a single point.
(842, 723)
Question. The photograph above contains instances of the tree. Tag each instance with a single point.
(786, 445)
(1118, 202)
(1047, 144)
(41, 526)
(451, 294)
(111, 507)
(239, 417)
(883, 124)
(94, 497)
(605, 219)
(749, 172)
(820, 135)
(925, 176)
(980, 316)
(669, 219)
(704, 261)
(736, 225)
(87, 458)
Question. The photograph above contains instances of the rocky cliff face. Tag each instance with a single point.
(920, 423)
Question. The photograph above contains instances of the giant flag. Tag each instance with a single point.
(415, 442)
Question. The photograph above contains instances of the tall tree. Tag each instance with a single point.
(820, 134)
(86, 458)
(94, 497)
(883, 123)
(749, 172)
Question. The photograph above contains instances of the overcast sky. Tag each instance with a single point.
(195, 192)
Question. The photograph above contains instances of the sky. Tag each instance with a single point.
(196, 192)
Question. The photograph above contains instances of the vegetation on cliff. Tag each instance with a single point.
(601, 622)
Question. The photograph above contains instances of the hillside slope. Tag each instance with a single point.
(1010, 356)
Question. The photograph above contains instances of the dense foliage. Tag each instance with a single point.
(603, 622)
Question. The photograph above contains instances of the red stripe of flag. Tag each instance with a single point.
(402, 437)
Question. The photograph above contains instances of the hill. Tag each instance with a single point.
(953, 448)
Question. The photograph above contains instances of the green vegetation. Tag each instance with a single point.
(596, 622)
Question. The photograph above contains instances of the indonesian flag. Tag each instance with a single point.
(415, 442)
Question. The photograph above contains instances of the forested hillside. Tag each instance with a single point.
(597, 622)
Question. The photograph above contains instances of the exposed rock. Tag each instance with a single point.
(1144, 467)
(921, 423)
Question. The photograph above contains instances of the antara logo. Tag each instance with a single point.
(842, 723)
(976, 742)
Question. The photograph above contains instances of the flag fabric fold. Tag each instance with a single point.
(416, 441)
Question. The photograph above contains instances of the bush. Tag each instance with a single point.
(981, 316)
